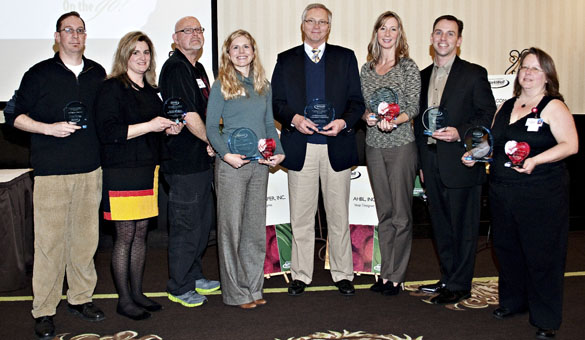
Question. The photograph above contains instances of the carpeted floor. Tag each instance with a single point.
(321, 313)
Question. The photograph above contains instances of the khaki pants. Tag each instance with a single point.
(66, 238)
(303, 187)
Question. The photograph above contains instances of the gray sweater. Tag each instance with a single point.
(252, 111)
(404, 78)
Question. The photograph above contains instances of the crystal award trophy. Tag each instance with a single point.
(76, 113)
(243, 141)
(478, 142)
(320, 112)
(433, 119)
(174, 108)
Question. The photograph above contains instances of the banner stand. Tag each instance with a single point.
(285, 274)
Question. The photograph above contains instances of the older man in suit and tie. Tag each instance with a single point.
(463, 91)
(317, 70)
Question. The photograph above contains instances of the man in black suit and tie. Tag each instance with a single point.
(463, 91)
(316, 70)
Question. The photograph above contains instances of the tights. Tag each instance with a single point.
(128, 259)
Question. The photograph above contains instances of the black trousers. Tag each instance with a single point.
(191, 215)
(454, 216)
(530, 226)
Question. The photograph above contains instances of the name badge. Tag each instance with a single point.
(533, 124)
(201, 84)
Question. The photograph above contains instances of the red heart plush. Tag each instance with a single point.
(266, 147)
(517, 151)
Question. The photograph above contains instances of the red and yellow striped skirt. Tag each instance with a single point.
(130, 193)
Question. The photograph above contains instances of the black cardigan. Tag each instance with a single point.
(118, 106)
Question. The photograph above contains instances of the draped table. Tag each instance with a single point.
(16, 227)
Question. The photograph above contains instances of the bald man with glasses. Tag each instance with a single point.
(187, 169)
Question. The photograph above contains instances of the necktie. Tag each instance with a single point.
(315, 57)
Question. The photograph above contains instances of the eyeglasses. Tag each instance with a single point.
(313, 22)
(531, 69)
(71, 30)
(190, 30)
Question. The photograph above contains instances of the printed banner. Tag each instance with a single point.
(278, 248)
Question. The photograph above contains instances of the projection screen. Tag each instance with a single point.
(27, 28)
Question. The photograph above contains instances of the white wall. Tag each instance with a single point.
(491, 29)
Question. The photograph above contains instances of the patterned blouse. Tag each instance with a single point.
(404, 79)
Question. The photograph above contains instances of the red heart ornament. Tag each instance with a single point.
(388, 111)
(266, 147)
(383, 108)
(517, 151)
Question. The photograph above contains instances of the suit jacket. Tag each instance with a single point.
(342, 89)
(469, 102)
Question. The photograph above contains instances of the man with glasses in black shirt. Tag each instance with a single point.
(188, 170)
(55, 104)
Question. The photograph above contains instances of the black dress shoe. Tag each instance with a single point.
(502, 313)
(378, 287)
(296, 288)
(432, 288)
(142, 315)
(390, 289)
(345, 287)
(44, 327)
(87, 311)
(544, 334)
(447, 296)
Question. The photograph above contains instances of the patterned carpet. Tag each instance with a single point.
(321, 313)
(484, 294)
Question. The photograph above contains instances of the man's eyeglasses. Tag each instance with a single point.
(71, 30)
(190, 30)
(313, 22)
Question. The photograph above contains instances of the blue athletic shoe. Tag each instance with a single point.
(205, 286)
(189, 299)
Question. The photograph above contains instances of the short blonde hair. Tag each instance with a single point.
(316, 5)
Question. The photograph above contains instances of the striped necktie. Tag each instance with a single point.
(315, 55)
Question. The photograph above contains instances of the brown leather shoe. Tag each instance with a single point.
(249, 305)
(260, 302)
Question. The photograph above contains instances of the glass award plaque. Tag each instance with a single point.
(479, 143)
(433, 119)
(243, 141)
(517, 152)
(384, 104)
(174, 108)
(76, 113)
(320, 112)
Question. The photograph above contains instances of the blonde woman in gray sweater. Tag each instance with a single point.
(242, 98)
(391, 153)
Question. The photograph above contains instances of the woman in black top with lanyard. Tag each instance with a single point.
(129, 126)
(529, 199)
